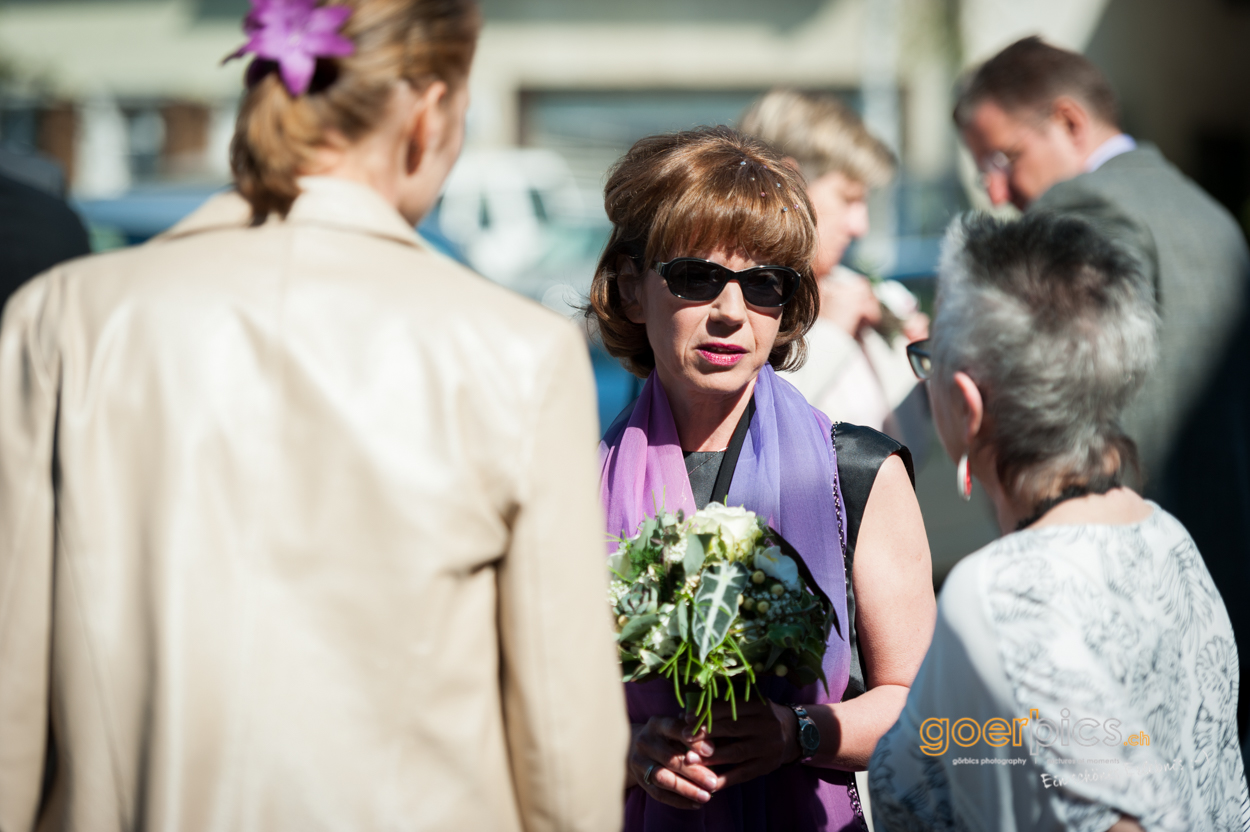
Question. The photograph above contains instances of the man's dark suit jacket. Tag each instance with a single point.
(1191, 420)
(37, 231)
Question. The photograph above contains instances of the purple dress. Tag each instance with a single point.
(787, 474)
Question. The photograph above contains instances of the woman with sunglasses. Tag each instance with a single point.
(706, 289)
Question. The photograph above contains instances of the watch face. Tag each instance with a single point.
(809, 736)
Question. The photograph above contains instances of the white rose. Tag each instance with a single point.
(736, 525)
(772, 563)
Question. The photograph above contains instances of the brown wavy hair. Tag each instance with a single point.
(277, 134)
(680, 193)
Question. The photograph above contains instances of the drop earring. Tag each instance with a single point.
(963, 479)
(413, 158)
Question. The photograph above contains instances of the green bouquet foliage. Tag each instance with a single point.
(703, 599)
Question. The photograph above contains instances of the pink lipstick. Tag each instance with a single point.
(722, 355)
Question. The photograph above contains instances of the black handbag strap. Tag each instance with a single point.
(861, 453)
(730, 461)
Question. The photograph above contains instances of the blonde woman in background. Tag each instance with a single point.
(854, 372)
(298, 519)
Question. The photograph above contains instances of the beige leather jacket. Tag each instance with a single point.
(299, 530)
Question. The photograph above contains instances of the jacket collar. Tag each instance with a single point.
(1117, 145)
(224, 210)
(323, 201)
(1145, 154)
(338, 203)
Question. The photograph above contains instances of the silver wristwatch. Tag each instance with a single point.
(808, 734)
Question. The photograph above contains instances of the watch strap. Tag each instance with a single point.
(806, 725)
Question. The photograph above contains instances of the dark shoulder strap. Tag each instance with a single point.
(730, 461)
(861, 453)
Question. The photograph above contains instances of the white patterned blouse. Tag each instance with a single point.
(1077, 673)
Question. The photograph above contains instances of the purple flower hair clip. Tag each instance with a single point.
(294, 34)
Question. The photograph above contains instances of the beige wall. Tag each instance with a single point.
(989, 25)
(129, 49)
(825, 52)
(160, 49)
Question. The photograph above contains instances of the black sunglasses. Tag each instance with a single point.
(691, 278)
(921, 362)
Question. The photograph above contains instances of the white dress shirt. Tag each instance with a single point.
(1112, 147)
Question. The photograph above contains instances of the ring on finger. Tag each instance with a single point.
(646, 778)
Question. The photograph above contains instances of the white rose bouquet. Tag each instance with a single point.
(703, 599)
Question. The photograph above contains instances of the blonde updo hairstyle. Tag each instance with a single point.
(277, 134)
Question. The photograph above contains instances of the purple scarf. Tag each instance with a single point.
(786, 473)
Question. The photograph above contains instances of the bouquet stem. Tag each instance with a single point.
(708, 693)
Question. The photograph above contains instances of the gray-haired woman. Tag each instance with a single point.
(1083, 673)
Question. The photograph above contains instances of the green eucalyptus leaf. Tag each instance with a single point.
(634, 671)
(814, 662)
(756, 651)
(816, 637)
(696, 553)
(637, 626)
(642, 598)
(812, 659)
(667, 647)
(651, 661)
(716, 605)
(619, 564)
(682, 616)
(787, 635)
(773, 655)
